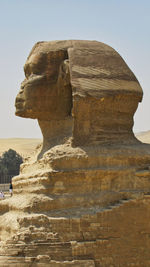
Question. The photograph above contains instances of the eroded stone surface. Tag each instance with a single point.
(83, 200)
(86, 82)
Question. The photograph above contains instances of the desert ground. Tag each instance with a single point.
(144, 137)
(26, 146)
(23, 146)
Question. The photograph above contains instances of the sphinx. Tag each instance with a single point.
(86, 193)
(81, 91)
(84, 97)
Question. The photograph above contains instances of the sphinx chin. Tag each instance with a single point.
(20, 113)
(25, 113)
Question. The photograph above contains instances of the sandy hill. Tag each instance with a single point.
(144, 137)
(23, 146)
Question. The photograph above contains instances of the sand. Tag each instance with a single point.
(23, 146)
(144, 137)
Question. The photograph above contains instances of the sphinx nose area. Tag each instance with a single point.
(23, 84)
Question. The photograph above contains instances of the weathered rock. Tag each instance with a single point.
(84, 79)
(84, 199)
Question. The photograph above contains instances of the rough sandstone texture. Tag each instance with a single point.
(84, 199)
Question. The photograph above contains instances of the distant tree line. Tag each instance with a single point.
(9, 164)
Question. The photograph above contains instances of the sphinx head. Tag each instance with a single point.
(86, 80)
(45, 93)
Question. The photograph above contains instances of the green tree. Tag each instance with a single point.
(3, 169)
(10, 163)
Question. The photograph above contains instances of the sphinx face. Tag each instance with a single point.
(46, 91)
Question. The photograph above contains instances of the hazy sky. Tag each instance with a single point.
(122, 24)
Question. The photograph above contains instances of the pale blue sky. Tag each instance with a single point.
(122, 24)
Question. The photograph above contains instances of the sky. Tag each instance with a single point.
(122, 24)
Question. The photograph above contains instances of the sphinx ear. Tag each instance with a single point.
(64, 72)
(63, 89)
